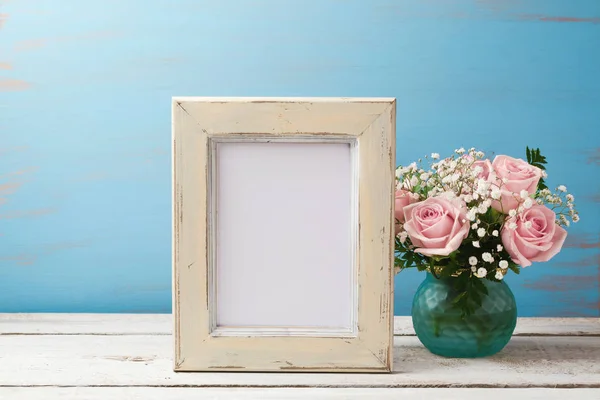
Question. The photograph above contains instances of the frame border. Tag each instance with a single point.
(197, 122)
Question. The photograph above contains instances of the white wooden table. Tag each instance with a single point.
(87, 356)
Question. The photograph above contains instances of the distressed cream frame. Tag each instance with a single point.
(368, 124)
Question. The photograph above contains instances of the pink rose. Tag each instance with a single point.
(435, 225)
(403, 198)
(487, 169)
(513, 176)
(537, 237)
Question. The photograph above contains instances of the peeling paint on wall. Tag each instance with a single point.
(27, 213)
(13, 85)
(563, 283)
(581, 263)
(3, 18)
(498, 5)
(548, 18)
(582, 241)
(7, 189)
(20, 259)
(32, 44)
(594, 156)
(11, 185)
(30, 258)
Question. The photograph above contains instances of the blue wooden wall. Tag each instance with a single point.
(85, 90)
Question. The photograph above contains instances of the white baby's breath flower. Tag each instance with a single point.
(512, 213)
(524, 194)
(424, 176)
(482, 208)
(474, 226)
(495, 233)
(562, 188)
(544, 174)
(481, 232)
(477, 170)
(528, 224)
(487, 257)
(499, 275)
(504, 180)
(575, 218)
(482, 186)
(435, 156)
(474, 269)
(475, 196)
(471, 214)
(403, 235)
(499, 247)
(460, 151)
(476, 244)
(481, 272)
(473, 260)
(570, 198)
(527, 203)
(468, 198)
(448, 194)
(496, 194)
(453, 164)
(479, 154)
(503, 264)
(512, 226)
(414, 181)
(539, 201)
(455, 177)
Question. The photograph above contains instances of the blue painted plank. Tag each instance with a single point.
(85, 91)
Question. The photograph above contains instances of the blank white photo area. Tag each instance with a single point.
(285, 227)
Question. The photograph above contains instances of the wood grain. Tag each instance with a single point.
(161, 393)
(146, 360)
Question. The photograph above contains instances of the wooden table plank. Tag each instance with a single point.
(161, 324)
(137, 393)
(146, 360)
(86, 324)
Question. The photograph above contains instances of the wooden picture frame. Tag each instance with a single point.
(214, 135)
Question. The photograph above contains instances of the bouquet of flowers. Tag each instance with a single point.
(469, 218)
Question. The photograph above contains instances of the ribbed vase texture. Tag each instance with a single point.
(439, 326)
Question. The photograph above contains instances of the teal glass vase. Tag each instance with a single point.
(443, 331)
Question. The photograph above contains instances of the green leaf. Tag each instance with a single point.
(476, 297)
(458, 298)
(480, 286)
(514, 268)
(528, 152)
